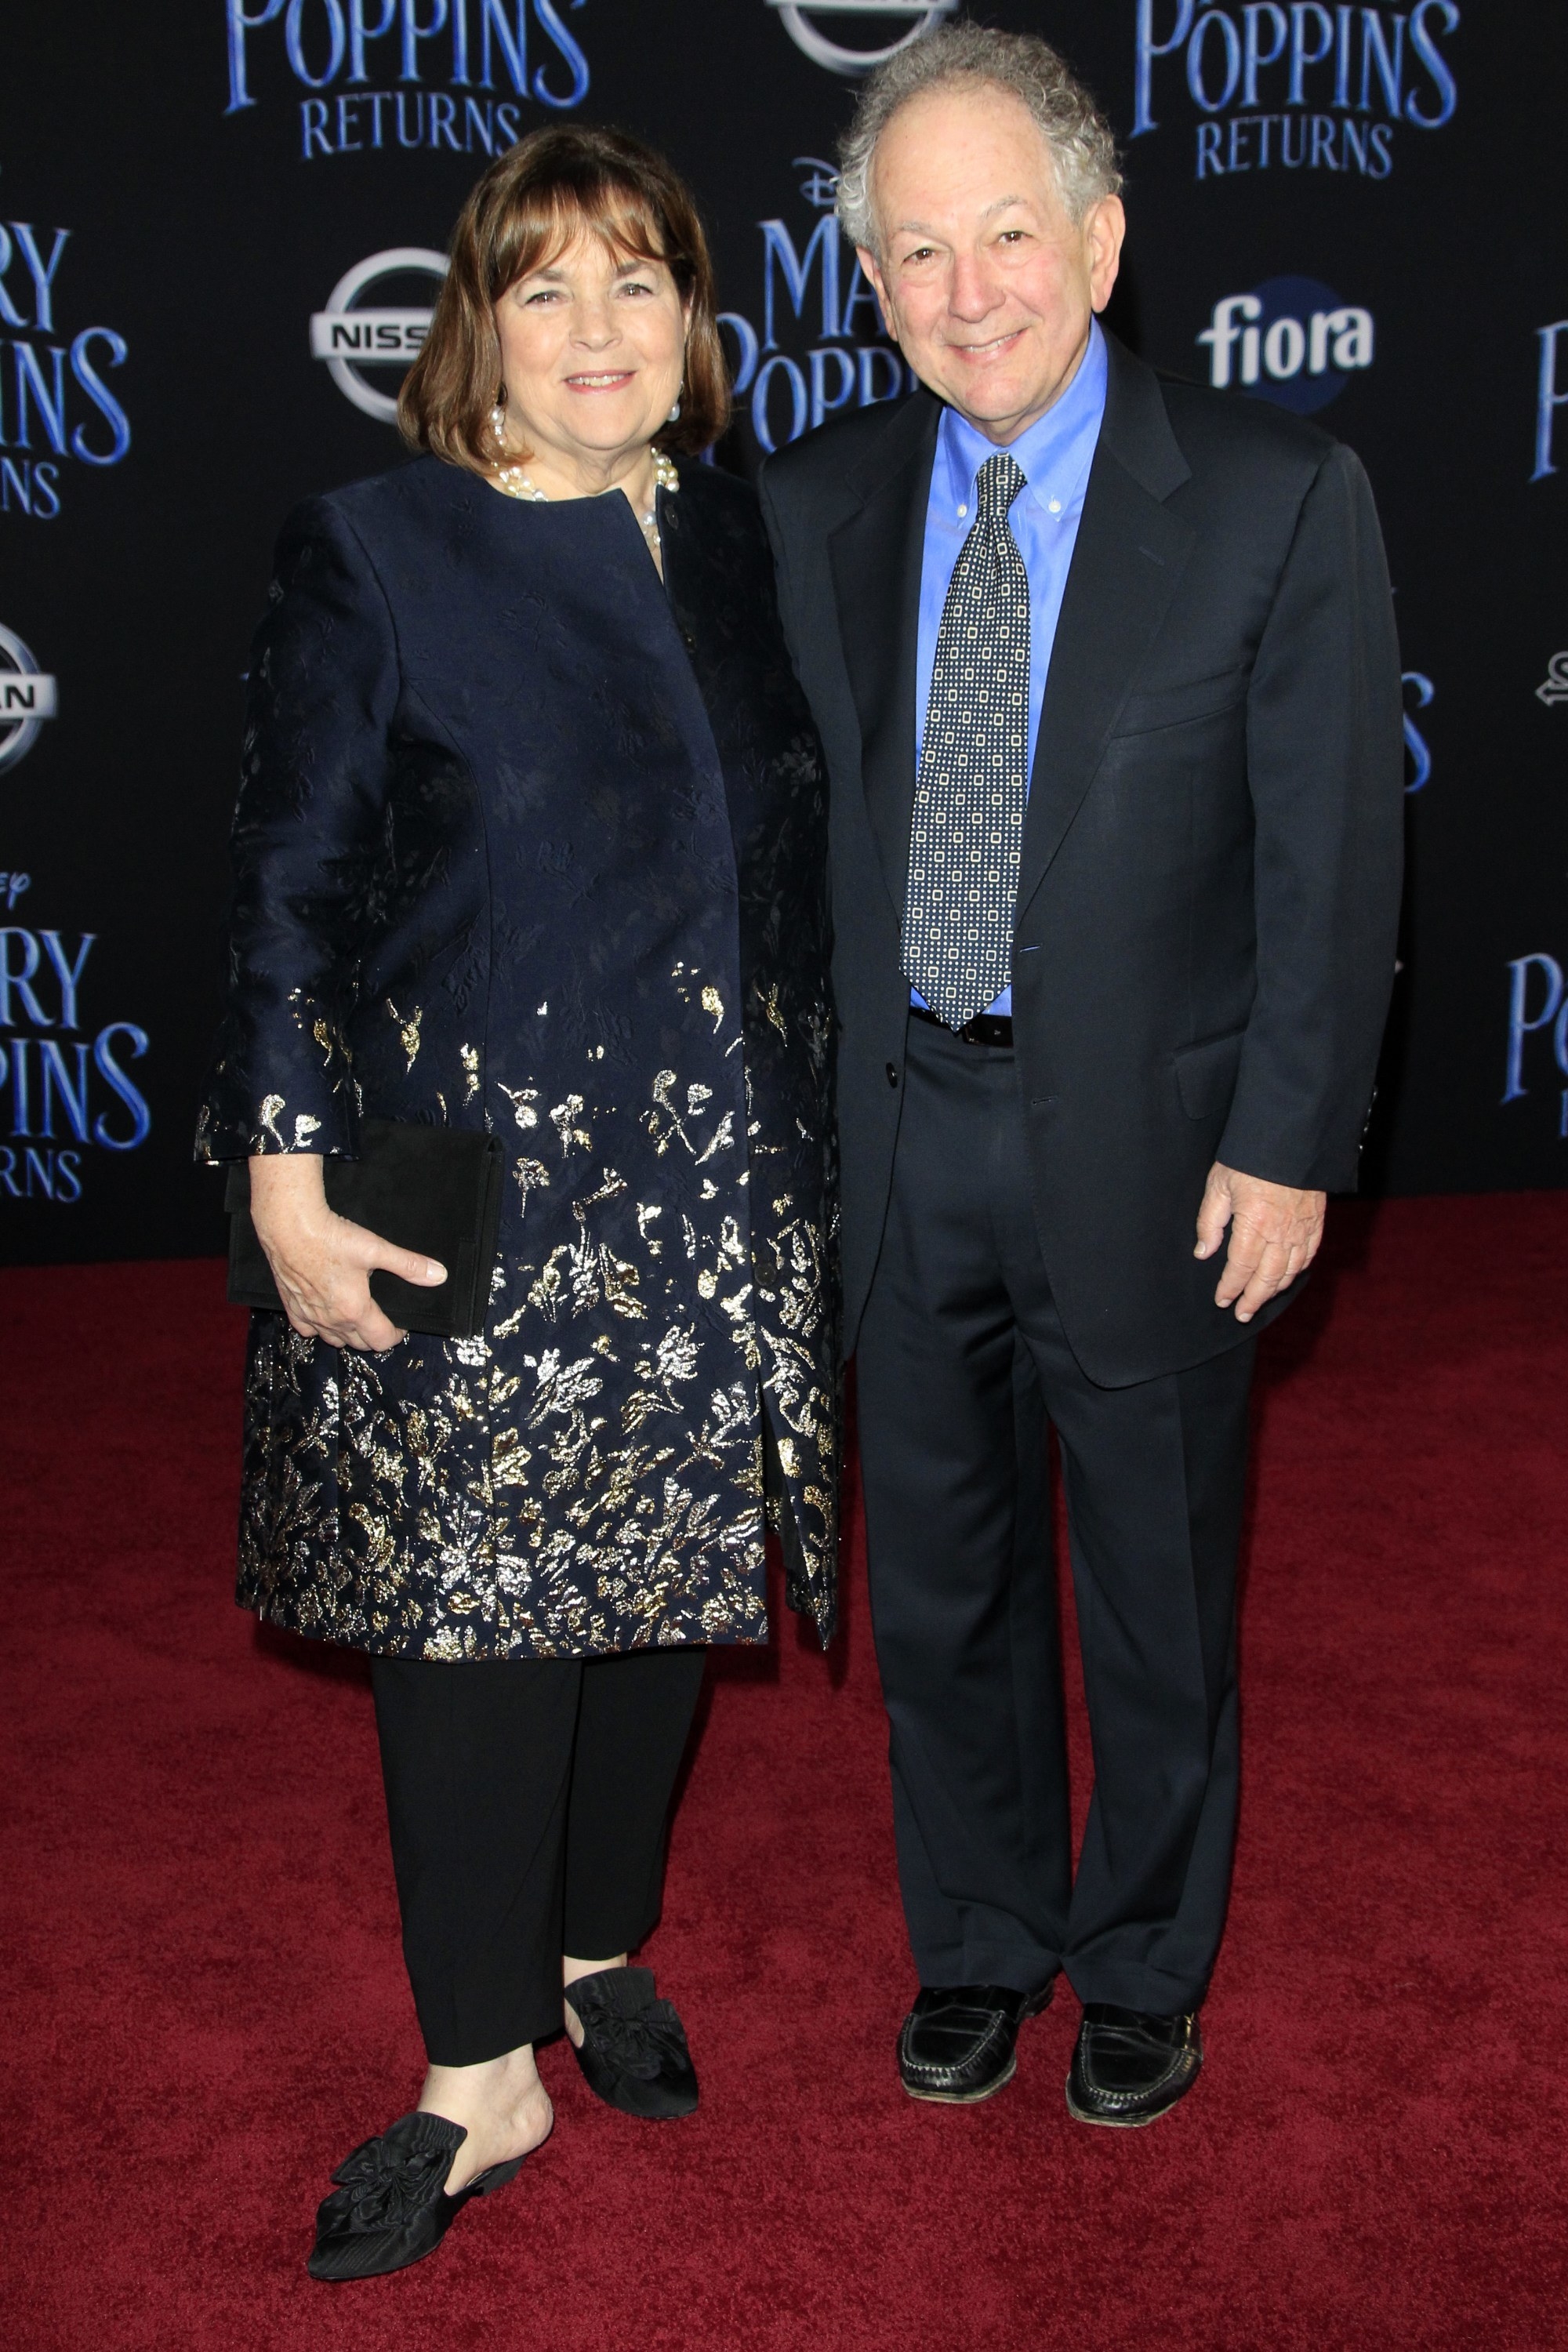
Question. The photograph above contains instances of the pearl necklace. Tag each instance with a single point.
(517, 484)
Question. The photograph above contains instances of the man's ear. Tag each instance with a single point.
(1104, 229)
(878, 285)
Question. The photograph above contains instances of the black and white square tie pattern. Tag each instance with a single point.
(973, 773)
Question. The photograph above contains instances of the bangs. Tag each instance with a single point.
(547, 221)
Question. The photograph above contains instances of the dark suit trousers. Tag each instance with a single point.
(962, 1359)
(527, 1799)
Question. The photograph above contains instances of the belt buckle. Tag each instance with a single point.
(987, 1029)
(983, 1029)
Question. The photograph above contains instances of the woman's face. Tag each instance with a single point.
(593, 349)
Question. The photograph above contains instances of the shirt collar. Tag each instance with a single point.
(1054, 454)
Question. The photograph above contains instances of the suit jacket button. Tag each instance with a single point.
(688, 641)
(892, 1075)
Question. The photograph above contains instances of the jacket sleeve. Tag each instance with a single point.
(1325, 764)
(309, 823)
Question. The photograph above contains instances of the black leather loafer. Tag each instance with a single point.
(958, 2044)
(391, 2207)
(1128, 2067)
(634, 2049)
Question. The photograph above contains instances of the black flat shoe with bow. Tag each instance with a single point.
(634, 2049)
(391, 2207)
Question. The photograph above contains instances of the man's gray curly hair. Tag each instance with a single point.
(1082, 149)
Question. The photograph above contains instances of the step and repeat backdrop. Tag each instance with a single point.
(222, 224)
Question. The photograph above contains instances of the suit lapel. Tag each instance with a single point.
(1126, 569)
(876, 559)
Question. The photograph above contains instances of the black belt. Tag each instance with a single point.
(985, 1029)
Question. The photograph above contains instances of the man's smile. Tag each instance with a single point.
(989, 350)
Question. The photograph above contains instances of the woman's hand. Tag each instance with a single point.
(322, 1263)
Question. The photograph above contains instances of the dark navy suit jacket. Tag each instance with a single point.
(1206, 909)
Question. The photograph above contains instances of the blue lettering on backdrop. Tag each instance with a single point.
(54, 402)
(1550, 1016)
(1550, 396)
(466, 49)
(1339, 79)
(787, 392)
(64, 1092)
(1416, 743)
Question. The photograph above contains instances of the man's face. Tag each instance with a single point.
(986, 284)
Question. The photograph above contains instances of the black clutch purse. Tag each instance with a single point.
(432, 1189)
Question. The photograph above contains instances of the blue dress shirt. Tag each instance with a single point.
(1055, 456)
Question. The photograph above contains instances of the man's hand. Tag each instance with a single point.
(1275, 1231)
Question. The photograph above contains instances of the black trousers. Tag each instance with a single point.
(527, 1800)
(962, 1359)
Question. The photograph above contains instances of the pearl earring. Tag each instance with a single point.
(497, 415)
(674, 412)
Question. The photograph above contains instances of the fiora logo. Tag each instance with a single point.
(800, 19)
(1553, 686)
(1289, 341)
(26, 699)
(1307, 86)
(350, 334)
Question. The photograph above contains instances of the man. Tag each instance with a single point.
(1107, 674)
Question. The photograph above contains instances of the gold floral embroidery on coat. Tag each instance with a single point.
(505, 1509)
(409, 1029)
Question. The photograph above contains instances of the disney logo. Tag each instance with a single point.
(820, 185)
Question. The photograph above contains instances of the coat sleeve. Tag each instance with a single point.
(1325, 764)
(307, 826)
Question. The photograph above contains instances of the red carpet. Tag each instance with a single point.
(206, 2004)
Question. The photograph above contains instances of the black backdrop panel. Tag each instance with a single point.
(1356, 211)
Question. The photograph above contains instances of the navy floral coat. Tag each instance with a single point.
(530, 840)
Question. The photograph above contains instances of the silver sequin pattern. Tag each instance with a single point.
(973, 773)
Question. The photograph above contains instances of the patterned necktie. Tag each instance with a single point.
(973, 774)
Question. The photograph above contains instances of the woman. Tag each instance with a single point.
(530, 838)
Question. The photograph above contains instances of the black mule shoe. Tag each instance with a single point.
(391, 2207)
(1129, 2068)
(959, 2043)
(634, 2049)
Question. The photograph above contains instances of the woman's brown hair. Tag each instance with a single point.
(526, 209)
